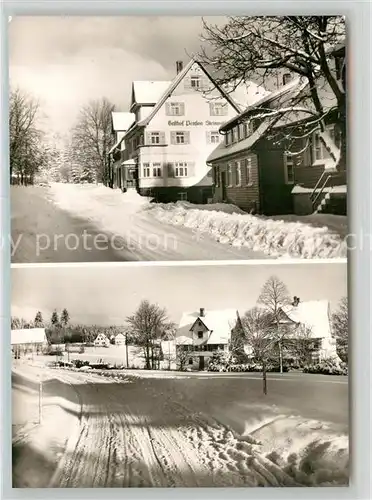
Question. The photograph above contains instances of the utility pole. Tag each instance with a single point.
(126, 348)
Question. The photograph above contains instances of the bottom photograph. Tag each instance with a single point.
(229, 375)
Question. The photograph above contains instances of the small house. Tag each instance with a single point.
(28, 340)
(101, 340)
(120, 339)
(202, 333)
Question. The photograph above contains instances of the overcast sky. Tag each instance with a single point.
(106, 295)
(65, 61)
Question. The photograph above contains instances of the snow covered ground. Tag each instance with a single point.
(190, 431)
(132, 217)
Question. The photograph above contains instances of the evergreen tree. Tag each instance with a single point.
(65, 318)
(55, 319)
(39, 323)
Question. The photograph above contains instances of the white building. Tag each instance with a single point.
(120, 339)
(175, 129)
(101, 340)
(28, 340)
(121, 122)
(313, 319)
(203, 332)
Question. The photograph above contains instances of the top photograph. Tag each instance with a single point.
(177, 138)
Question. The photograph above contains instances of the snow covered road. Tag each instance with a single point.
(148, 433)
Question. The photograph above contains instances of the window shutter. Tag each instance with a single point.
(148, 138)
(187, 137)
(182, 108)
(205, 83)
(224, 109)
(170, 169)
(208, 134)
(211, 108)
(167, 109)
(173, 137)
(162, 137)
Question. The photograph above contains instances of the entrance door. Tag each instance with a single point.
(223, 186)
(201, 363)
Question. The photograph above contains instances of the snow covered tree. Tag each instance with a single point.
(19, 323)
(26, 140)
(273, 297)
(259, 334)
(340, 327)
(38, 321)
(259, 48)
(92, 139)
(55, 319)
(147, 327)
(65, 318)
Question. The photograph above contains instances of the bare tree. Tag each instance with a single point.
(274, 296)
(301, 345)
(261, 47)
(147, 327)
(92, 139)
(259, 335)
(340, 327)
(25, 138)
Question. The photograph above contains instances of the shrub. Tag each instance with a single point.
(328, 366)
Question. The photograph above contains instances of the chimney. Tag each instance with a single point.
(296, 301)
(286, 78)
(201, 312)
(179, 66)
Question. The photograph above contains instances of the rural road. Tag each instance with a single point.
(190, 431)
(42, 232)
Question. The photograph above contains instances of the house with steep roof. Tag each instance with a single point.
(101, 340)
(175, 129)
(203, 332)
(120, 123)
(273, 160)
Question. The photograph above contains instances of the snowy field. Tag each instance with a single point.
(132, 216)
(187, 431)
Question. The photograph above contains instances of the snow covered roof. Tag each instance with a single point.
(121, 121)
(120, 137)
(173, 85)
(148, 92)
(313, 314)
(219, 324)
(28, 336)
(247, 94)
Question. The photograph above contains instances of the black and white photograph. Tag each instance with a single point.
(177, 138)
(180, 376)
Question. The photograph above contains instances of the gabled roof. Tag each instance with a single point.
(173, 85)
(121, 121)
(314, 315)
(118, 142)
(28, 336)
(148, 92)
(219, 324)
(284, 93)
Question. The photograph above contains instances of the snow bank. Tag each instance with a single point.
(276, 238)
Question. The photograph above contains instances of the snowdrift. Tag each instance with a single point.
(276, 238)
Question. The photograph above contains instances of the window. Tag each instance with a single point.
(288, 169)
(182, 196)
(218, 108)
(154, 137)
(229, 174)
(156, 170)
(228, 137)
(190, 361)
(200, 335)
(238, 175)
(213, 137)
(180, 137)
(248, 171)
(247, 129)
(180, 169)
(175, 108)
(146, 169)
(195, 82)
(241, 131)
(319, 150)
(235, 134)
(286, 78)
